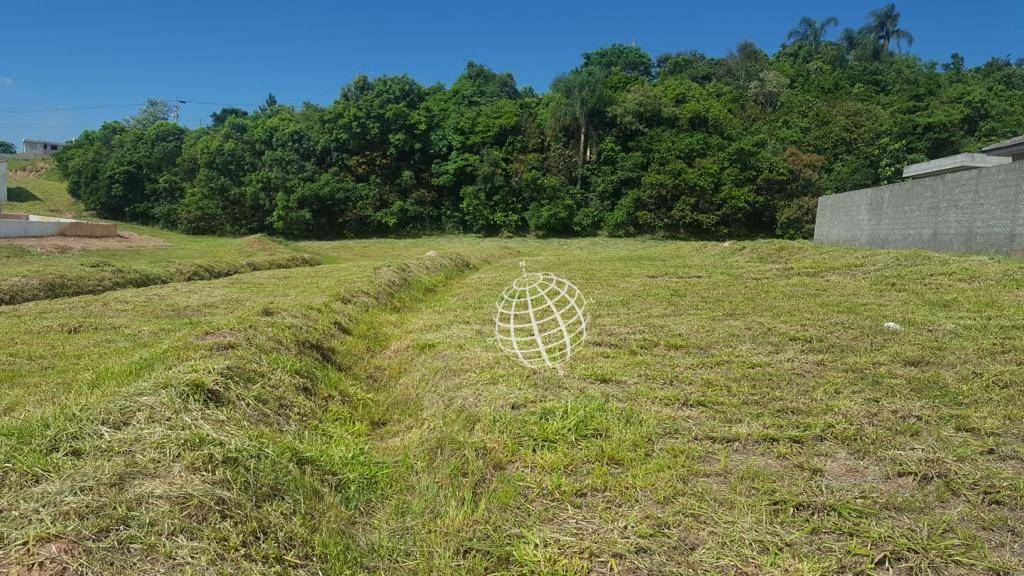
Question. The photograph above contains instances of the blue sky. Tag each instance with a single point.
(114, 54)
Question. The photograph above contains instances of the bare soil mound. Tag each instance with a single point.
(32, 170)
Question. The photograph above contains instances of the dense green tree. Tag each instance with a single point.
(220, 117)
(578, 99)
(768, 89)
(123, 172)
(7, 148)
(688, 145)
(378, 132)
(693, 65)
(955, 64)
(743, 65)
(153, 111)
(269, 103)
(478, 126)
(622, 66)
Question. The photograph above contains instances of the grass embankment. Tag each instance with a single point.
(27, 275)
(201, 426)
(39, 193)
(737, 409)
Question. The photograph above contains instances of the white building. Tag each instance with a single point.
(41, 147)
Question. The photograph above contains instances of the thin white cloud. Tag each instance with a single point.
(6, 81)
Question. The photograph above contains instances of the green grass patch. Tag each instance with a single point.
(738, 408)
(27, 275)
(97, 275)
(43, 196)
(236, 449)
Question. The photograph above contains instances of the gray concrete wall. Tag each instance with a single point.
(32, 226)
(979, 211)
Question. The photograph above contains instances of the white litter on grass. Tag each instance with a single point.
(432, 253)
(894, 327)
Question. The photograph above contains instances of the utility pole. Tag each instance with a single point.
(176, 108)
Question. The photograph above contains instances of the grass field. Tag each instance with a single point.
(28, 274)
(738, 409)
(43, 195)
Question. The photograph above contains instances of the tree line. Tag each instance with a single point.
(682, 145)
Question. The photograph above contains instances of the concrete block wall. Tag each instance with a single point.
(977, 211)
(32, 226)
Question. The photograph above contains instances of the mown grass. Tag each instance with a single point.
(738, 409)
(96, 274)
(196, 432)
(27, 275)
(43, 195)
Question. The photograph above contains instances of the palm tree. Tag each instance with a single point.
(884, 25)
(849, 38)
(811, 31)
(580, 97)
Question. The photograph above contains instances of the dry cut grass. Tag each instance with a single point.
(738, 409)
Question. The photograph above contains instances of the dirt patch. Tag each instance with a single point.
(60, 244)
(846, 469)
(50, 559)
(32, 170)
(222, 340)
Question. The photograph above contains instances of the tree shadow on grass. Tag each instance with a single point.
(19, 194)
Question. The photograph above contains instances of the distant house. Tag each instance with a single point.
(972, 202)
(41, 147)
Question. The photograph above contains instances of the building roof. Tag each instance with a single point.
(27, 140)
(1014, 143)
(955, 163)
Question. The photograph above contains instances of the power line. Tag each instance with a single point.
(107, 107)
(226, 105)
(189, 119)
(76, 125)
(69, 108)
